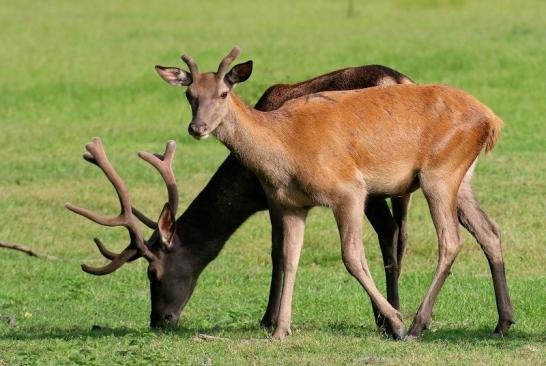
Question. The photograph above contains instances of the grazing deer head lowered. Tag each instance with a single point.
(161, 250)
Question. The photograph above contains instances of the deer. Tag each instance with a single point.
(205, 226)
(334, 149)
(392, 230)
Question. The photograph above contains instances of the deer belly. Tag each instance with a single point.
(391, 182)
(290, 195)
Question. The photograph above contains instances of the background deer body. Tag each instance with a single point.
(335, 148)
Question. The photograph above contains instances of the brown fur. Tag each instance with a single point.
(398, 118)
(386, 141)
(494, 133)
(342, 137)
(345, 79)
(431, 195)
(290, 196)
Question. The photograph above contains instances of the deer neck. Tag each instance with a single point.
(231, 196)
(248, 134)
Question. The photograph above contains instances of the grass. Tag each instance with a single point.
(74, 70)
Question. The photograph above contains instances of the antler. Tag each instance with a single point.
(95, 154)
(164, 165)
(194, 70)
(224, 64)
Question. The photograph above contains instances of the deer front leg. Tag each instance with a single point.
(293, 221)
(270, 317)
(349, 220)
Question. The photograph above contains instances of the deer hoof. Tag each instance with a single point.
(399, 333)
(281, 333)
(502, 328)
(415, 332)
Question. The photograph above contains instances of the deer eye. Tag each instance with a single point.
(224, 95)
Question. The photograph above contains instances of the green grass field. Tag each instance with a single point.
(73, 70)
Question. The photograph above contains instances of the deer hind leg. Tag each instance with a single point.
(487, 234)
(270, 317)
(380, 218)
(293, 221)
(349, 220)
(400, 207)
(441, 198)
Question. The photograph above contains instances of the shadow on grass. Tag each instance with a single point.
(443, 335)
(69, 333)
(102, 332)
(478, 335)
(236, 332)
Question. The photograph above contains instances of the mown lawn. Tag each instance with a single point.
(73, 70)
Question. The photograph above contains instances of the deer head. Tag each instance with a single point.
(208, 93)
(171, 279)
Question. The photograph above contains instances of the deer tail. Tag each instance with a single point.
(495, 126)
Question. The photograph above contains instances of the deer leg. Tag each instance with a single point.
(349, 220)
(293, 221)
(270, 317)
(400, 207)
(441, 199)
(487, 233)
(380, 218)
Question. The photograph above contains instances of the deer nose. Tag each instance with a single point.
(168, 320)
(198, 130)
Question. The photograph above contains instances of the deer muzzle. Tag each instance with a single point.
(198, 130)
(168, 320)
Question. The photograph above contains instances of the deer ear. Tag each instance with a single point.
(174, 75)
(166, 225)
(239, 73)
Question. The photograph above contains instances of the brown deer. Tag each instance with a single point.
(232, 195)
(391, 229)
(334, 149)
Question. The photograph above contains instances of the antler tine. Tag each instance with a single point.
(163, 164)
(124, 257)
(224, 64)
(194, 70)
(144, 219)
(97, 156)
(96, 150)
(139, 215)
(105, 252)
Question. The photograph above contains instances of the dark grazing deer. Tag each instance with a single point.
(334, 149)
(234, 194)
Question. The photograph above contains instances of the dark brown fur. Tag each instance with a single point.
(344, 79)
